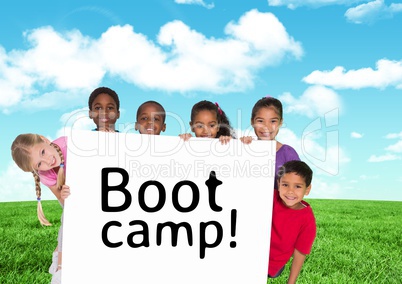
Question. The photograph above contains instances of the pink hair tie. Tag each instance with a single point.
(219, 108)
(268, 96)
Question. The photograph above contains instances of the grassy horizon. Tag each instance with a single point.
(357, 242)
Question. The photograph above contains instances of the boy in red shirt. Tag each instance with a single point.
(293, 224)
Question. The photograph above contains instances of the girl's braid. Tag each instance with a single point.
(37, 184)
(58, 151)
(61, 178)
(41, 215)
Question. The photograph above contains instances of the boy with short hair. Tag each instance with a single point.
(104, 109)
(150, 118)
(293, 223)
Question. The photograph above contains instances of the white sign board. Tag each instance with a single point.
(155, 209)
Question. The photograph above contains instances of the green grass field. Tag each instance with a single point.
(357, 242)
(26, 247)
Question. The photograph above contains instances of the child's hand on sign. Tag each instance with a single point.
(185, 136)
(65, 192)
(246, 139)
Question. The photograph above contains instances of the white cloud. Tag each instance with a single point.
(372, 11)
(391, 149)
(387, 73)
(356, 135)
(14, 83)
(53, 100)
(365, 13)
(287, 136)
(195, 2)
(68, 60)
(383, 158)
(71, 64)
(77, 120)
(324, 190)
(293, 4)
(270, 44)
(394, 135)
(397, 147)
(315, 101)
(326, 157)
(365, 177)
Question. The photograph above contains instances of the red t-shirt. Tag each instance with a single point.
(291, 229)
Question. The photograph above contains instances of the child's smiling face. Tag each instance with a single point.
(150, 120)
(44, 157)
(104, 112)
(205, 124)
(292, 189)
(266, 123)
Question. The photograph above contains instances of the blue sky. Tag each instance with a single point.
(335, 65)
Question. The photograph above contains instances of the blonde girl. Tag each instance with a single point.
(47, 162)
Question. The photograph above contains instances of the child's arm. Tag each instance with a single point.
(56, 192)
(297, 263)
(59, 260)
